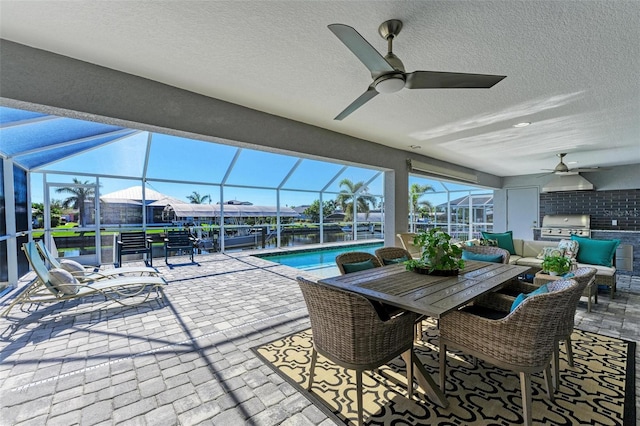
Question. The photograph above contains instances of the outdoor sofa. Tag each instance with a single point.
(531, 253)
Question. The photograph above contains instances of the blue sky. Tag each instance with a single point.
(200, 165)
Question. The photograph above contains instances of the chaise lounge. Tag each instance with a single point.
(56, 285)
(82, 274)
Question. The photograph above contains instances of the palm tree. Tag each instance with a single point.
(80, 197)
(196, 198)
(415, 192)
(345, 198)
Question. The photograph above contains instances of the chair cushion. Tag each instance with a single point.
(522, 296)
(504, 239)
(393, 261)
(550, 251)
(63, 281)
(358, 266)
(72, 266)
(596, 252)
(493, 258)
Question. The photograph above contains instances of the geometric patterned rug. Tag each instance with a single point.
(599, 389)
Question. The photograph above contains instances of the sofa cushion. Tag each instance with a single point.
(596, 252)
(532, 262)
(504, 239)
(601, 270)
(513, 259)
(493, 258)
(533, 248)
(550, 251)
(570, 247)
(517, 245)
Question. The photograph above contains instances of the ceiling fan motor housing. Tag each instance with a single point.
(389, 83)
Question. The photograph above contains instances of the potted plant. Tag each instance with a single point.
(556, 265)
(439, 255)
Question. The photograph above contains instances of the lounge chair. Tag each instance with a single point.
(82, 274)
(406, 238)
(55, 285)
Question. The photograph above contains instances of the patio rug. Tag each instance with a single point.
(599, 389)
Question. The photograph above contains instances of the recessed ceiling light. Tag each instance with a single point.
(523, 124)
(415, 146)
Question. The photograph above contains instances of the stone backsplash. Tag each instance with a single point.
(604, 207)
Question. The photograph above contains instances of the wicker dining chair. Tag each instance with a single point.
(585, 276)
(347, 331)
(489, 250)
(391, 255)
(353, 258)
(523, 341)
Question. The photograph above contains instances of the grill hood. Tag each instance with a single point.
(567, 182)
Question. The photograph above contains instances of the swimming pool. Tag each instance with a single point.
(321, 262)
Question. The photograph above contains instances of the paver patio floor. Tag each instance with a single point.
(186, 360)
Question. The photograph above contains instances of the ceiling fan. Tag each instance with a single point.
(388, 72)
(563, 169)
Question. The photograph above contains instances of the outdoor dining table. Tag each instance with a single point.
(430, 295)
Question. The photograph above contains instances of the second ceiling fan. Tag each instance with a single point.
(388, 71)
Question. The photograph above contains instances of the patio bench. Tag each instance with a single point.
(179, 240)
(134, 243)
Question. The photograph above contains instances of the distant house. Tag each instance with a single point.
(371, 216)
(196, 214)
(124, 207)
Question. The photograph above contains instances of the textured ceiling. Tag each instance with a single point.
(572, 68)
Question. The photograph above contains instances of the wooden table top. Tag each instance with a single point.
(427, 294)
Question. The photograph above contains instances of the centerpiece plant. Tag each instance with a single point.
(439, 255)
(556, 265)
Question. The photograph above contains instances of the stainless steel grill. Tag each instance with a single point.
(564, 226)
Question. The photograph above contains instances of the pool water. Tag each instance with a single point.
(321, 262)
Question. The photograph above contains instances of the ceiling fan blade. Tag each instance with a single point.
(362, 99)
(589, 169)
(360, 47)
(450, 80)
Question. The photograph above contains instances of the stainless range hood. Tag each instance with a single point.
(567, 182)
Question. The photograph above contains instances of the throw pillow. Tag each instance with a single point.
(63, 281)
(358, 266)
(550, 251)
(493, 258)
(570, 248)
(522, 296)
(73, 267)
(596, 252)
(505, 240)
(489, 243)
(394, 261)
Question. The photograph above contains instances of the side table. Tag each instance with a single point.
(591, 291)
